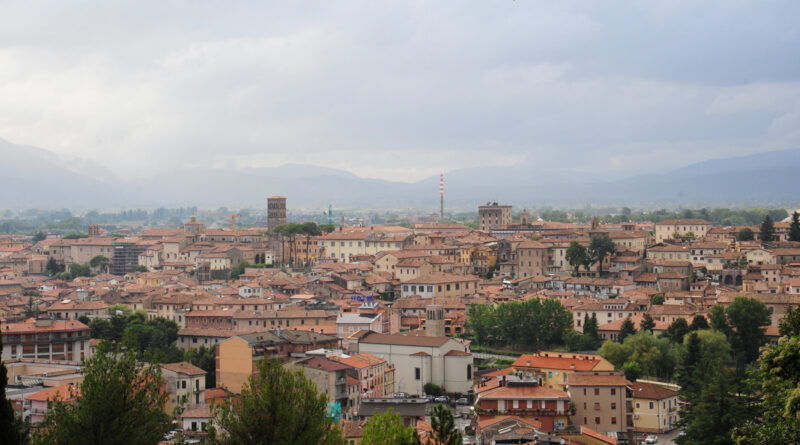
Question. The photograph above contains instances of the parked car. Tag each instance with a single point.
(442, 399)
(462, 401)
(651, 439)
(400, 395)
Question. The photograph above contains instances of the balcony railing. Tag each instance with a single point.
(526, 412)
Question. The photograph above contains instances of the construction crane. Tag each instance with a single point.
(233, 216)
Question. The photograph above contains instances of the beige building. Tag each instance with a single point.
(665, 229)
(184, 380)
(602, 402)
(655, 408)
(355, 241)
(331, 379)
(440, 285)
(532, 259)
(493, 216)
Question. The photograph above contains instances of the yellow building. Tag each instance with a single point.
(343, 244)
(552, 368)
(655, 408)
(665, 229)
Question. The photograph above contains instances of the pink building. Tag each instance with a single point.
(40, 401)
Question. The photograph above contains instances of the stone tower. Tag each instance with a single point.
(276, 212)
(434, 320)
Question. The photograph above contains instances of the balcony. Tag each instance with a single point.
(523, 412)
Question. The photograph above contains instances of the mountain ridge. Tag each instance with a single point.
(39, 178)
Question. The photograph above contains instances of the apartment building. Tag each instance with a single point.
(46, 339)
(665, 229)
(655, 408)
(603, 402)
(493, 216)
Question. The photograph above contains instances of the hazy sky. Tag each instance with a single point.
(402, 89)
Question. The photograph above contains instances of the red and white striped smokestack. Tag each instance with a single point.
(441, 195)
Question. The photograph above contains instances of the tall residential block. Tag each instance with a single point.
(276, 212)
(493, 216)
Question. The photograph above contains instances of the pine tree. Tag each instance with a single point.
(627, 328)
(444, 428)
(767, 232)
(647, 324)
(794, 227)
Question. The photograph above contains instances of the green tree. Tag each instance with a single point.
(699, 322)
(600, 247)
(79, 270)
(647, 323)
(677, 330)
(627, 328)
(119, 401)
(632, 371)
(432, 389)
(790, 325)
(590, 340)
(40, 236)
(779, 376)
(748, 317)
(99, 263)
(657, 299)
(719, 320)
(767, 232)
(745, 234)
(139, 268)
(711, 417)
(52, 267)
(205, 359)
(387, 428)
(532, 324)
(444, 428)
(577, 255)
(239, 269)
(657, 357)
(794, 228)
(277, 407)
(12, 430)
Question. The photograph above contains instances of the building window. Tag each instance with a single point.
(651, 405)
(613, 405)
(613, 391)
(469, 372)
(597, 420)
(613, 420)
(417, 373)
(597, 391)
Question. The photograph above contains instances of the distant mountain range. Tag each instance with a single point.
(33, 177)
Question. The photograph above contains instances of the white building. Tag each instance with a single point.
(419, 359)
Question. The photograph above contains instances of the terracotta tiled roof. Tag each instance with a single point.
(61, 392)
(184, 368)
(596, 380)
(594, 434)
(651, 391)
(535, 361)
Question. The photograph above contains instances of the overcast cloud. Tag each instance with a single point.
(403, 89)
